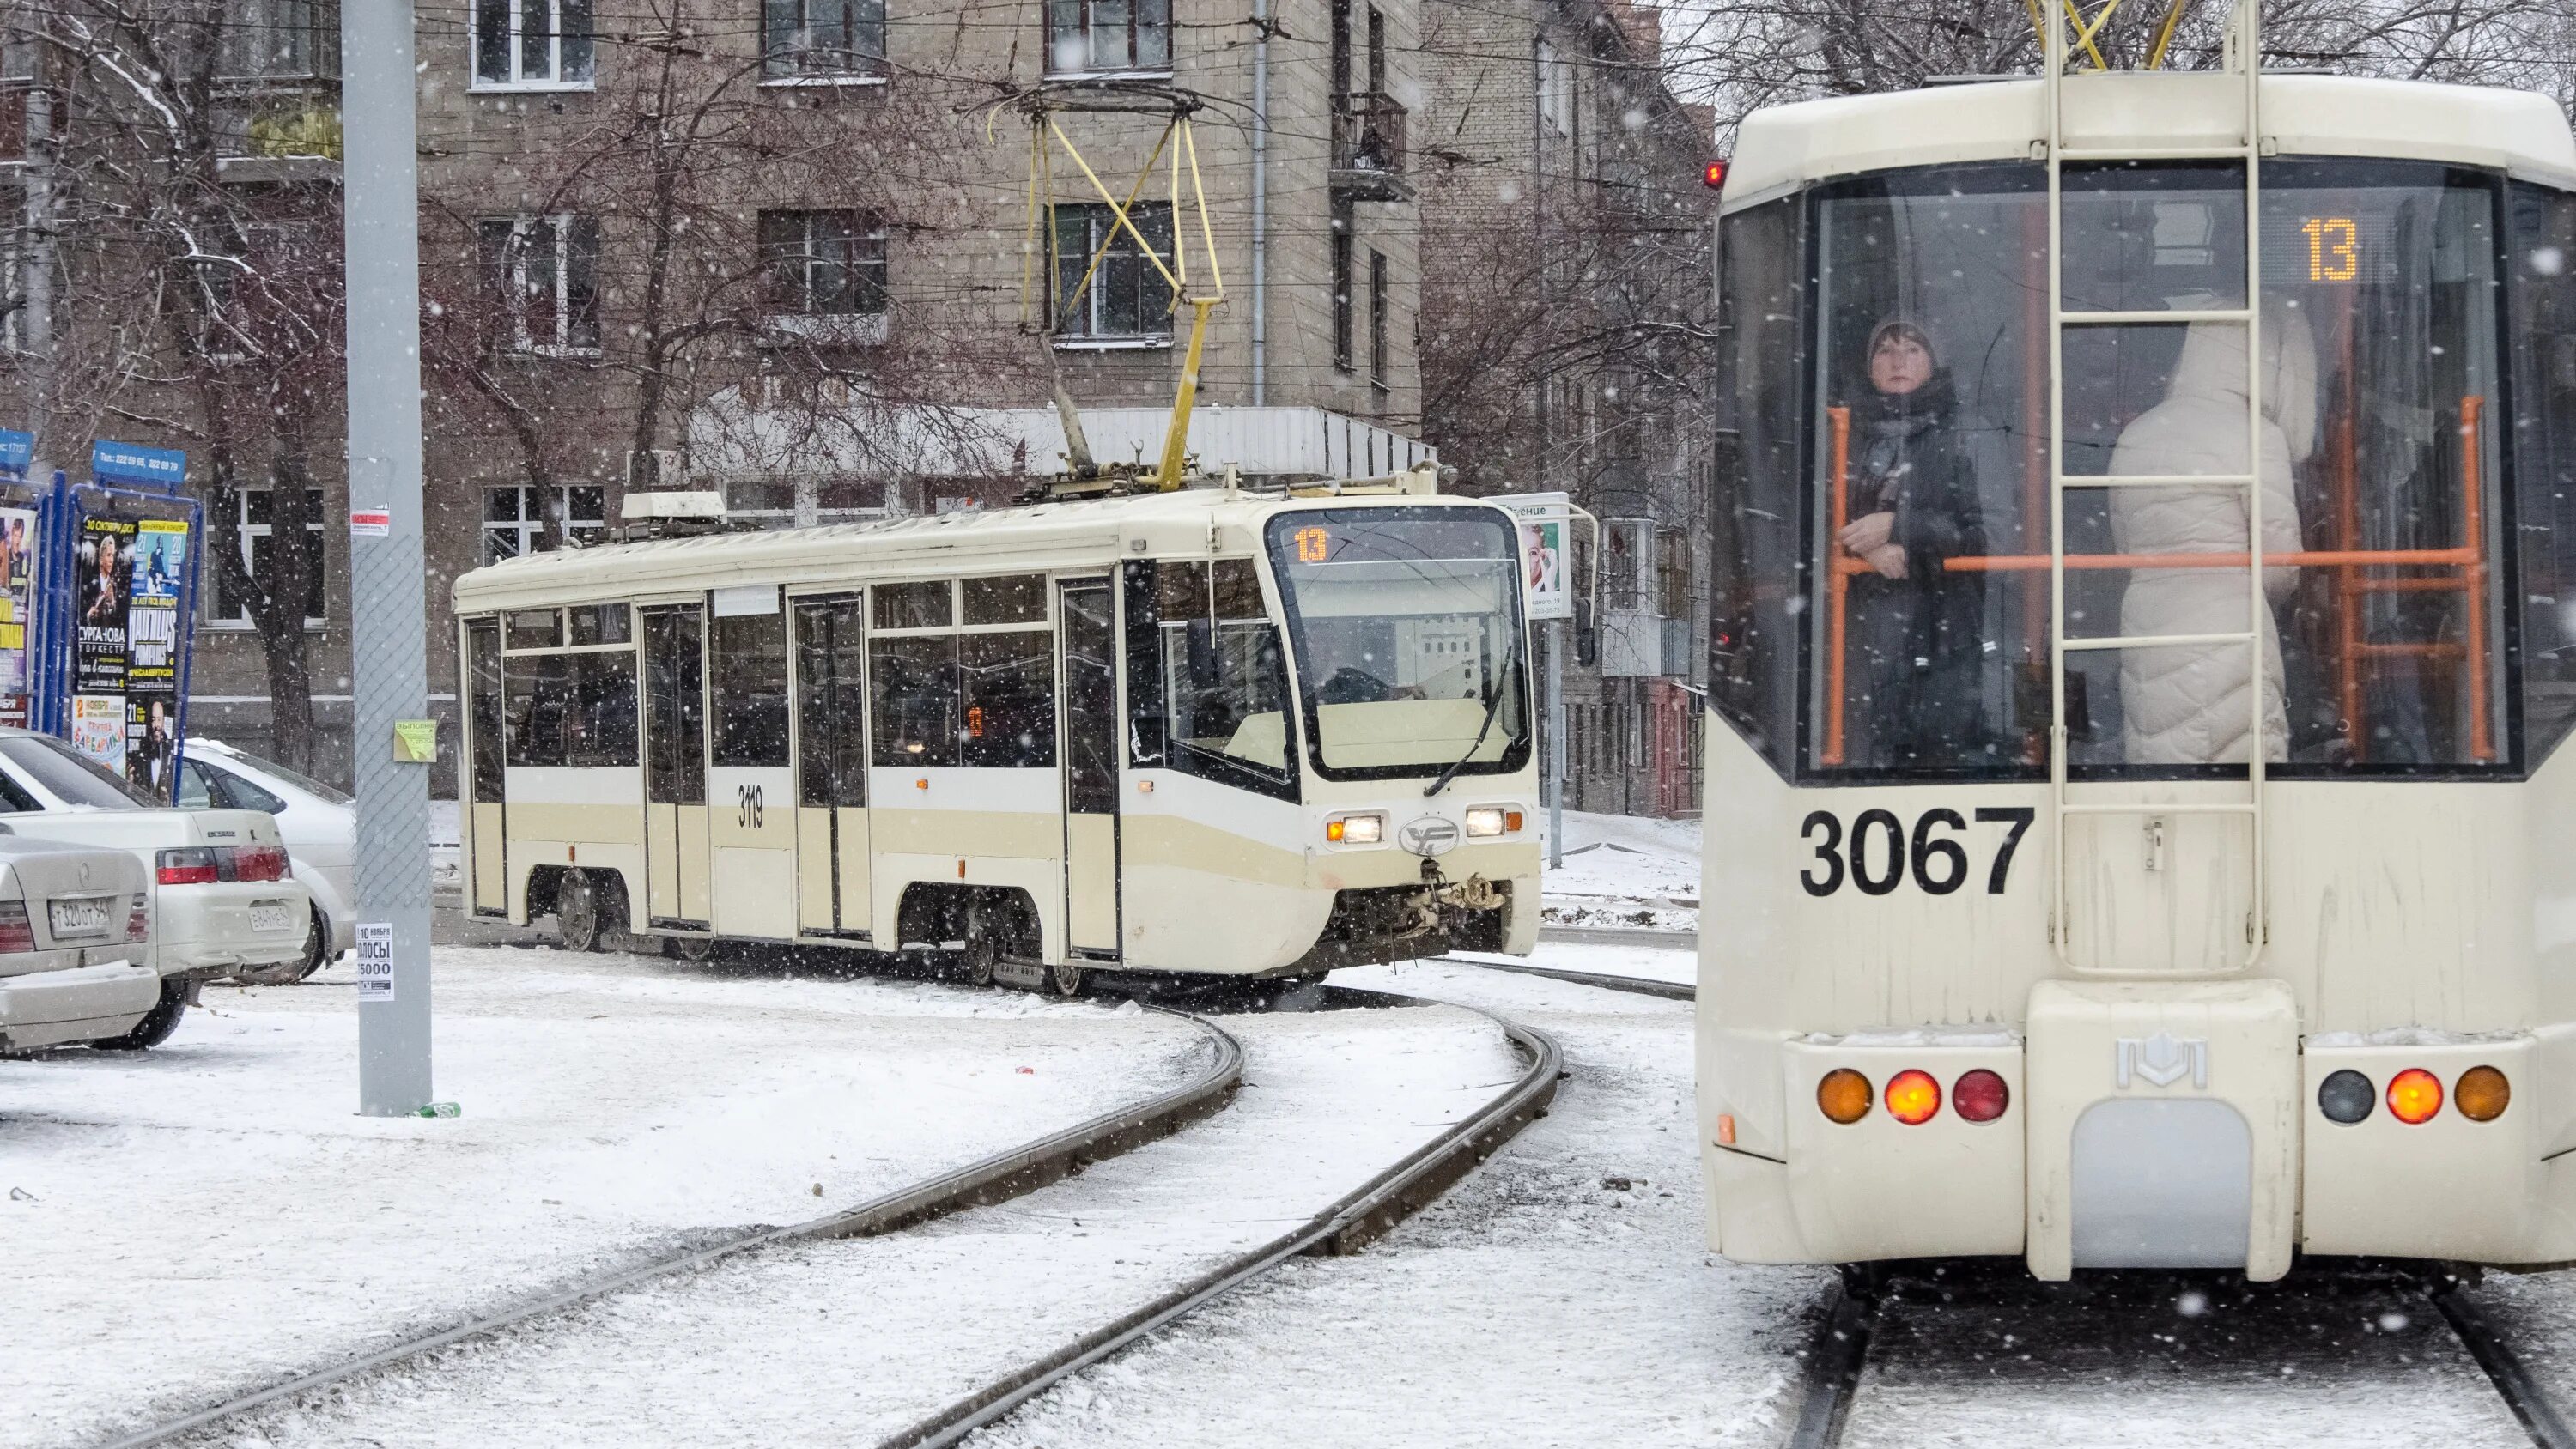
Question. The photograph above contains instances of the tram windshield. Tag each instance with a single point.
(1886, 605)
(1406, 627)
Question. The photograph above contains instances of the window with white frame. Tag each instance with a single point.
(1089, 36)
(541, 274)
(279, 40)
(523, 518)
(534, 43)
(1128, 297)
(824, 274)
(1555, 90)
(822, 40)
(255, 518)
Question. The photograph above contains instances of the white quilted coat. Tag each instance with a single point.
(2192, 704)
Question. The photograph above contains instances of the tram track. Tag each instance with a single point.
(1848, 1339)
(1010, 1173)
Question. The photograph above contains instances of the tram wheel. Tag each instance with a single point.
(1067, 978)
(696, 950)
(983, 949)
(576, 912)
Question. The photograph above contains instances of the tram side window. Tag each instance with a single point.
(537, 694)
(1210, 686)
(599, 724)
(2544, 332)
(675, 704)
(912, 699)
(832, 747)
(750, 657)
(483, 658)
(1756, 566)
(1009, 697)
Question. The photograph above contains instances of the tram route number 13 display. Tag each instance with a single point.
(1877, 851)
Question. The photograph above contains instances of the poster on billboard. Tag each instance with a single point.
(158, 557)
(17, 612)
(98, 729)
(1543, 519)
(103, 569)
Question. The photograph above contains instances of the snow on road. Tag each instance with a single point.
(1625, 871)
(842, 1343)
(1561, 1296)
(210, 1216)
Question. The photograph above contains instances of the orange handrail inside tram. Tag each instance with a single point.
(2469, 558)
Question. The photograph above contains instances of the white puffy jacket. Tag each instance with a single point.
(2191, 704)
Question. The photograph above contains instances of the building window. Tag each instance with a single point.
(542, 275)
(254, 515)
(1377, 320)
(1087, 36)
(1555, 91)
(279, 40)
(532, 43)
(515, 517)
(1128, 297)
(1344, 219)
(823, 40)
(825, 274)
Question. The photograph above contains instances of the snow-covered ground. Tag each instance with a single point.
(212, 1215)
(846, 1342)
(1561, 1296)
(1624, 871)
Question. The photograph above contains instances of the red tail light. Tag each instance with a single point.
(261, 862)
(138, 921)
(1980, 1096)
(17, 933)
(192, 865)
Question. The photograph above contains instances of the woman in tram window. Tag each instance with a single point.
(2187, 704)
(1916, 628)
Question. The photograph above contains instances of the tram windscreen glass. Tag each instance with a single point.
(2379, 615)
(1406, 627)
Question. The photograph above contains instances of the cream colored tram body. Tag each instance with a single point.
(2016, 943)
(1187, 732)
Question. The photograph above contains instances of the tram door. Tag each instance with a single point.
(831, 767)
(675, 767)
(1089, 639)
(484, 840)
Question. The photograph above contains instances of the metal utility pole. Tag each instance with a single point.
(380, 189)
(36, 312)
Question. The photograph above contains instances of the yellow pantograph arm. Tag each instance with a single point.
(1117, 209)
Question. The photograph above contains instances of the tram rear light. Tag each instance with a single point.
(2414, 1095)
(2346, 1096)
(1843, 1096)
(1980, 1096)
(1714, 174)
(2481, 1094)
(1912, 1097)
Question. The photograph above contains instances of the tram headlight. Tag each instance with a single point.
(1355, 829)
(1843, 1096)
(2414, 1095)
(1492, 820)
(2346, 1096)
(2481, 1094)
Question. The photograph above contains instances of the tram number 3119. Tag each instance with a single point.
(1880, 850)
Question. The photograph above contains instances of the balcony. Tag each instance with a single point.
(1368, 148)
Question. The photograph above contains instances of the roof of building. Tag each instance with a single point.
(1781, 148)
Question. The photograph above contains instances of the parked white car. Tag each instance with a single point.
(223, 895)
(319, 825)
(75, 931)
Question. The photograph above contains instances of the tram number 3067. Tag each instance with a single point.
(1880, 850)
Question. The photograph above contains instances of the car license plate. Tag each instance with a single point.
(80, 917)
(271, 916)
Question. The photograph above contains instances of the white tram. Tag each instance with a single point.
(1205, 731)
(2019, 943)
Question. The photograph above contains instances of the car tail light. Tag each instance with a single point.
(17, 933)
(1843, 1096)
(1912, 1097)
(1980, 1096)
(261, 862)
(2346, 1096)
(138, 920)
(2481, 1094)
(2414, 1095)
(191, 865)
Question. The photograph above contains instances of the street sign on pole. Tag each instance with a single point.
(388, 584)
(1548, 597)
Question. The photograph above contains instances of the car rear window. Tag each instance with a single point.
(65, 774)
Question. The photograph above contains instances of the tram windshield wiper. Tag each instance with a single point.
(1493, 707)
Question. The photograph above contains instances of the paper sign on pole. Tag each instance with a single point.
(1543, 518)
(375, 961)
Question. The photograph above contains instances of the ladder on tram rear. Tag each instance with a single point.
(2245, 57)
